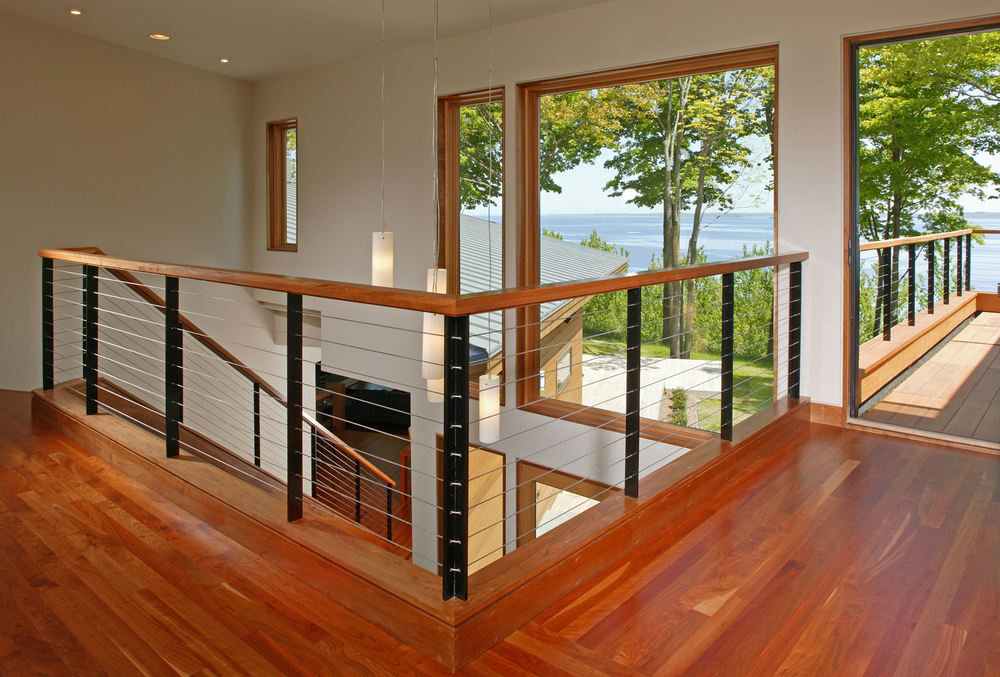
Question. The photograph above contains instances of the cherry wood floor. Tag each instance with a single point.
(843, 553)
(957, 391)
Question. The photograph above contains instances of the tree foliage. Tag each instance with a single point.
(480, 155)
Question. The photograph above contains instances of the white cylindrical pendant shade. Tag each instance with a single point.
(489, 409)
(433, 347)
(435, 390)
(433, 344)
(382, 259)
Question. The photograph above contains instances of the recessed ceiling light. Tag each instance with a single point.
(159, 36)
(224, 60)
(76, 12)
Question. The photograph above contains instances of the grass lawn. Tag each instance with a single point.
(753, 379)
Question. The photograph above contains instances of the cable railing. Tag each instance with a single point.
(345, 419)
(936, 268)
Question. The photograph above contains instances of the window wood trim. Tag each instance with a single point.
(528, 474)
(449, 209)
(527, 187)
(277, 216)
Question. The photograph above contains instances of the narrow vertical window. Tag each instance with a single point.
(282, 180)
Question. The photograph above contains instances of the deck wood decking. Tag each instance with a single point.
(841, 553)
(957, 391)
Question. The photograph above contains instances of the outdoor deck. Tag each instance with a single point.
(957, 391)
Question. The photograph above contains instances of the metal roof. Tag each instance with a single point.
(481, 263)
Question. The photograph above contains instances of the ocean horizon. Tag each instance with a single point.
(723, 236)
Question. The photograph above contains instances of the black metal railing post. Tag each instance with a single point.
(294, 409)
(959, 287)
(357, 491)
(456, 458)
(256, 424)
(886, 258)
(633, 350)
(794, 329)
(911, 313)
(946, 287)
(174, 363)
(48, 326)
(930, 277)
(728, 330)
(90, 337)
(968, 262)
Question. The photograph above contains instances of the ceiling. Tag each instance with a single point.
(265, 38)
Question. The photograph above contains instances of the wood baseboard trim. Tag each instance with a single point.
(827, 414)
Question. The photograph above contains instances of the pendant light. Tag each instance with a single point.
(381, 240)
(433, 344)
(489, 385)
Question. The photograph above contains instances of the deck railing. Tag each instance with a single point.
(952, 273)
(577, 444)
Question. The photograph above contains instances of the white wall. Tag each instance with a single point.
(108, 147)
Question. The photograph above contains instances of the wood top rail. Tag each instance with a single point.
(342, 446)
(444, 304)
(899, 241)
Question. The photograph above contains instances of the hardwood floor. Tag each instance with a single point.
(957, 391)
(842, 553)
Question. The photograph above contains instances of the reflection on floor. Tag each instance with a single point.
(957, 391)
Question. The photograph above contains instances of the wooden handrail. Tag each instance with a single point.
(151, 297)
(901, 241)
(342, 446)
(444, 304)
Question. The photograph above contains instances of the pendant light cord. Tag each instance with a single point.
(434, 158)
(383, 117)
(489, 183)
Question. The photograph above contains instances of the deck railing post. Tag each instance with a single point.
(48, 326)
(633, 350)
(728, 312)
(911, 312)
(456, 458)
(256, 424)
(930, 278)
(946, 289)
(90, 337)
(968, 262)
(959, 287)
(886, 258)
(294, 409)
(794, 329)
(174, 363)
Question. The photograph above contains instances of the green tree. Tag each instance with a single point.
(480, 152)
(925, 109)
(681, 144)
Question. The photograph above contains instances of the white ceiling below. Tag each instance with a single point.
(266, 38)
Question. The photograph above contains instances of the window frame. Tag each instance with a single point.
(527, 191)
(277, 193)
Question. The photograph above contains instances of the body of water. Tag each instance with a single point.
(724, 237)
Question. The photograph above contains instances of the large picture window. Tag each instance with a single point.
(655, 166)
(282, 184)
